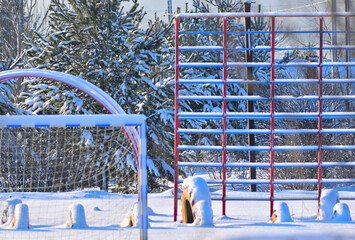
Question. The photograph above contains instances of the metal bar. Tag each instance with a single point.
(272, 116)
(277, 81)
(143, 179)
(260, 98)
(224, 118)
(177, 120)
(267, 165)
(269, 14)
(320, 109)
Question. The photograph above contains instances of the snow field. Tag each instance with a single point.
(244, 220)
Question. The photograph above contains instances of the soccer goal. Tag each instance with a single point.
(54, 162)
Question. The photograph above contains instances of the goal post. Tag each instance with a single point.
(61, 153)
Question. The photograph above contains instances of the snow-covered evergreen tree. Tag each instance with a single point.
(103, 43)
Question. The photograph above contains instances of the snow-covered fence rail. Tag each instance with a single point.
(191, 69)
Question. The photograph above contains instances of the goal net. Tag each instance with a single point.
(52, 162)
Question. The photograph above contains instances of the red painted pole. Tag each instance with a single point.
(272, 116)
(320, 108)
(177, 121)
(224, 119)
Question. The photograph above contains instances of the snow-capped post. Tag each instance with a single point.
(9, 210)
(281, 213)
(196, 202)
(328, 200)
(250, 91)
(21, 218)
(76, 217)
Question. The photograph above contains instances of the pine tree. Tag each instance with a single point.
(103, 43)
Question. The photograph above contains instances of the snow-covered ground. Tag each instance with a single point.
(48, 213)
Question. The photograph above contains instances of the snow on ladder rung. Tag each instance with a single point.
(220, 65)
(201, 48)
(267, 165)
(266, 116)
(267, 131)
(260, 98)
(315, 81)
(220, 81)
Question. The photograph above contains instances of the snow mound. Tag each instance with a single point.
(328, 199)
(196, 198)
(341, 213)
(96, 209)
(203, 214)
(9, 211)
(21, 219)
(132, 217)
(76, 218)
(197, 189)
(281, 213)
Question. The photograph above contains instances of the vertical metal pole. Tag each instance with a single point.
(334, 43)
(170, 11)
(320, 107)
(224, 119)
(250, 91)
(347, 55)
(143, 191)
(177, 121)
(272, 116)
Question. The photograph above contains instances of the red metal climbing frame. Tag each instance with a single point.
(271, 116)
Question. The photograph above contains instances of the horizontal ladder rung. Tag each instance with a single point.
(277, 81)
(281, 181)
(266, 165)
(265, 198)
(265, 148)
(262, 48)
(260, 98)
(265, 116)
(266, 131)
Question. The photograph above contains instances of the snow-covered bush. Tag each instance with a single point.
(328, 199)
(76, 217)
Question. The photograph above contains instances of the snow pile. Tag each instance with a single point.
(203, 214)
(341, 213)
(76, 218)
(328, 199)
(200, 199)
(197, 189)
(21, 219)
(281, 213)
(132, 217)
(9, 211)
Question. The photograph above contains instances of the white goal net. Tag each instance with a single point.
(75, 166)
